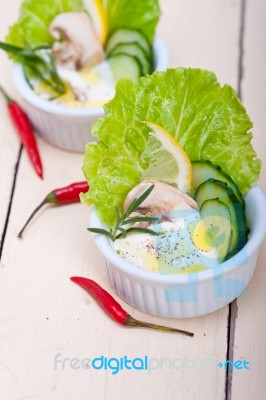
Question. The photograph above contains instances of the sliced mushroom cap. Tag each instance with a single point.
(81, 46)
(163, 198)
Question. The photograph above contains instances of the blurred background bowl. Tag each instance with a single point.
(68, 127)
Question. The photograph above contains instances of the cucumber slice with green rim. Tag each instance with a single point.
(204, 170)
(125, 66)
(213, 189)
(128, 36)
(133, 49)
(214, 228)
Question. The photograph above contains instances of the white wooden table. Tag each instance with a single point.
(43, 315)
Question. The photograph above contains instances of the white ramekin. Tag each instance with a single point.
(68, 127)
(191, 294)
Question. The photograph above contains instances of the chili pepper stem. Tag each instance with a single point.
(8, 99)
(114, 309)
(64, 195)
(134, 322)
(45, 201)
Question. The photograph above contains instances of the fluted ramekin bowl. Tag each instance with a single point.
(68, 127)
(185, 295)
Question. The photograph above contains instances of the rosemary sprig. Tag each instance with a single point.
(122, 220)
(36, 64)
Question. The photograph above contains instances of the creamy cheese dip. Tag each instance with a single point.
(89, 87)
(171, 252)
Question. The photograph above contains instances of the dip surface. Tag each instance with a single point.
(87, 88)
(173, 251)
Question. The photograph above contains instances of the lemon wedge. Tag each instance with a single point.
(99, 18)
(167, 160)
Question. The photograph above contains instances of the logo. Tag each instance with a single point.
(125, 364)
(102, 363)
(238, 364)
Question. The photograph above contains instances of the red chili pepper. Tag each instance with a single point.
(60, 196)
(25, 131)
(113, 308)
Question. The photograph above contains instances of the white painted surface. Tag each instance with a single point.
(42, 313)
(250, 334)
(9, 143)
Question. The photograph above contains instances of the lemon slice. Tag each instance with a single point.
(167, 160)
(99, 18)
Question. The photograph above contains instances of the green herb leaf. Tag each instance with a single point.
(136, 202)
(43, 47)
(123, 231)
(121, 220)
(36, 65)
(131, 208)
(10, 48)
(143, 197)
(141, 230)
(118, 216)
(101, 232)
(140, 219)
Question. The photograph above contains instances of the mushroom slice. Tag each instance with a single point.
(81, 46)
(162, 200)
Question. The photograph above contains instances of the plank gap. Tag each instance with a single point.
(10, 202)
(241, 47)
(232, 316)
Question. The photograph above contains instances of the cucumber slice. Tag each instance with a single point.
(203, 170)
(125, 66)
(215, 228)
(133, 49)
(128, 36)
(213, 189)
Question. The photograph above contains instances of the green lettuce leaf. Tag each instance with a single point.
(208, 120)
(142, 15)
(34, 20)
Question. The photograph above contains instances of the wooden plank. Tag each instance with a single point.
(250, 333)
(9, 143)
(203, 34)
(43, 315)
